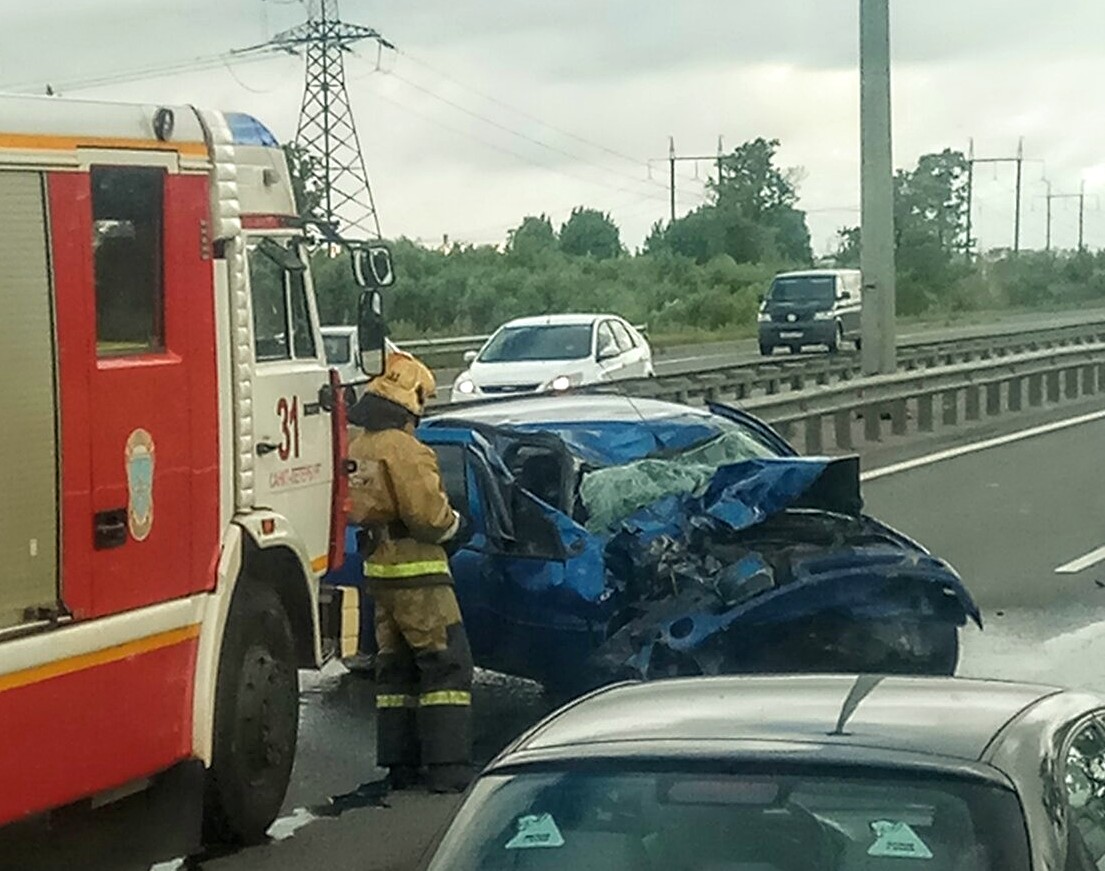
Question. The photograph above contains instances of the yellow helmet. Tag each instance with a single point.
(406, 381)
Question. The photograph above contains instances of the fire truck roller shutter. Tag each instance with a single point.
(28, 422)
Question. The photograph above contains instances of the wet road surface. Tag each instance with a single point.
(1007, 517)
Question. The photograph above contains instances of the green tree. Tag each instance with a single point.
(847, 247)
(754, 186)
(930, 228)
(589, 232)
(751, 214)
(532, 238)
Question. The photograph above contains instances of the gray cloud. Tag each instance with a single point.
(622, 75)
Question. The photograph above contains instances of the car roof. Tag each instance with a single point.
(558, 320)
(946, 717)
(552, 409)
(798, 273)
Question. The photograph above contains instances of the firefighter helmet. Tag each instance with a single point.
(406, 381)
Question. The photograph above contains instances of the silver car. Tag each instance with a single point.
(803, 773)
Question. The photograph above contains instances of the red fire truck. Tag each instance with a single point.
(168, 500)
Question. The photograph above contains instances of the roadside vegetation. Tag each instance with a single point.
(701, 276)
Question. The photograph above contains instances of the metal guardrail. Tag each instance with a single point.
(960, 392)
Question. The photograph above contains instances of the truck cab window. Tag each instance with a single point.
(127, 204)
(303, 336)
(281, 314)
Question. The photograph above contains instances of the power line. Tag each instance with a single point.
(511, 152)
(613, 152)
(514, 132)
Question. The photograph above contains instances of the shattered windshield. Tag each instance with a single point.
(612, 494)
(709, 820)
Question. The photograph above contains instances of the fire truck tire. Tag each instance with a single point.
(256, 719)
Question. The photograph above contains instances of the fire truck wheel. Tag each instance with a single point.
(256, 719)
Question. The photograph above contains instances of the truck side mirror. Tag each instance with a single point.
(372, 266)
(371, 334)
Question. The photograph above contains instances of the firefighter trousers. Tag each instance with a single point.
(423, 678)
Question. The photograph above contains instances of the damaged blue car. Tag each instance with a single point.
(613, 537)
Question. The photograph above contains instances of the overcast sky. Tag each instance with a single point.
(450, 124)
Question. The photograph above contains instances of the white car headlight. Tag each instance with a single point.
(823, 316)
(466, 386)
(762, 317)
(563, 382)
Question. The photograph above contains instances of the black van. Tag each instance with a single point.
(811, 307)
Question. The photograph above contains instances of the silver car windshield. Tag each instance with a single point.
(684, 820)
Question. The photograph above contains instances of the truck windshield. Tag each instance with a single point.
(539, 342)
(337, 349)
(819, 290)
(706, 819)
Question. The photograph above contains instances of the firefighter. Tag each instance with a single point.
(423, 661)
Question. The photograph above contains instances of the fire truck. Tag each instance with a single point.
(172, 488)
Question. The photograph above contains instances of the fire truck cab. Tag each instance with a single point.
(168, 502)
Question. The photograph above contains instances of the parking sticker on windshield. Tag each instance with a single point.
(536, 830)
(897, 840)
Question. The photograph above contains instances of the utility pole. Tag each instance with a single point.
(671, 174)
(1019, 161)
(1081, 197)
(879, 349)
(970, 194)
(673, 160)
(1017, 209)
(327, 130)
(1047, 243)
(1082, 216)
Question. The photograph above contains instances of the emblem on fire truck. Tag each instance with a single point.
(139, 456)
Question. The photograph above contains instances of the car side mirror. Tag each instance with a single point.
(372, 267)
(470, 357)
(607, 353)
(371, 334)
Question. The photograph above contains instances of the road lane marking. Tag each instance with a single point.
(974, 447)
(1083, 562)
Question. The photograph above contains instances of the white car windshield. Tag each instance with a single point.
(538, 342)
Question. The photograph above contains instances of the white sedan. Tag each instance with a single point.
(554, 353)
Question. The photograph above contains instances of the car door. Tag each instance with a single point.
(608, 355)
(137, 379)
(526, 577)
(636, 363)
(291, 435)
